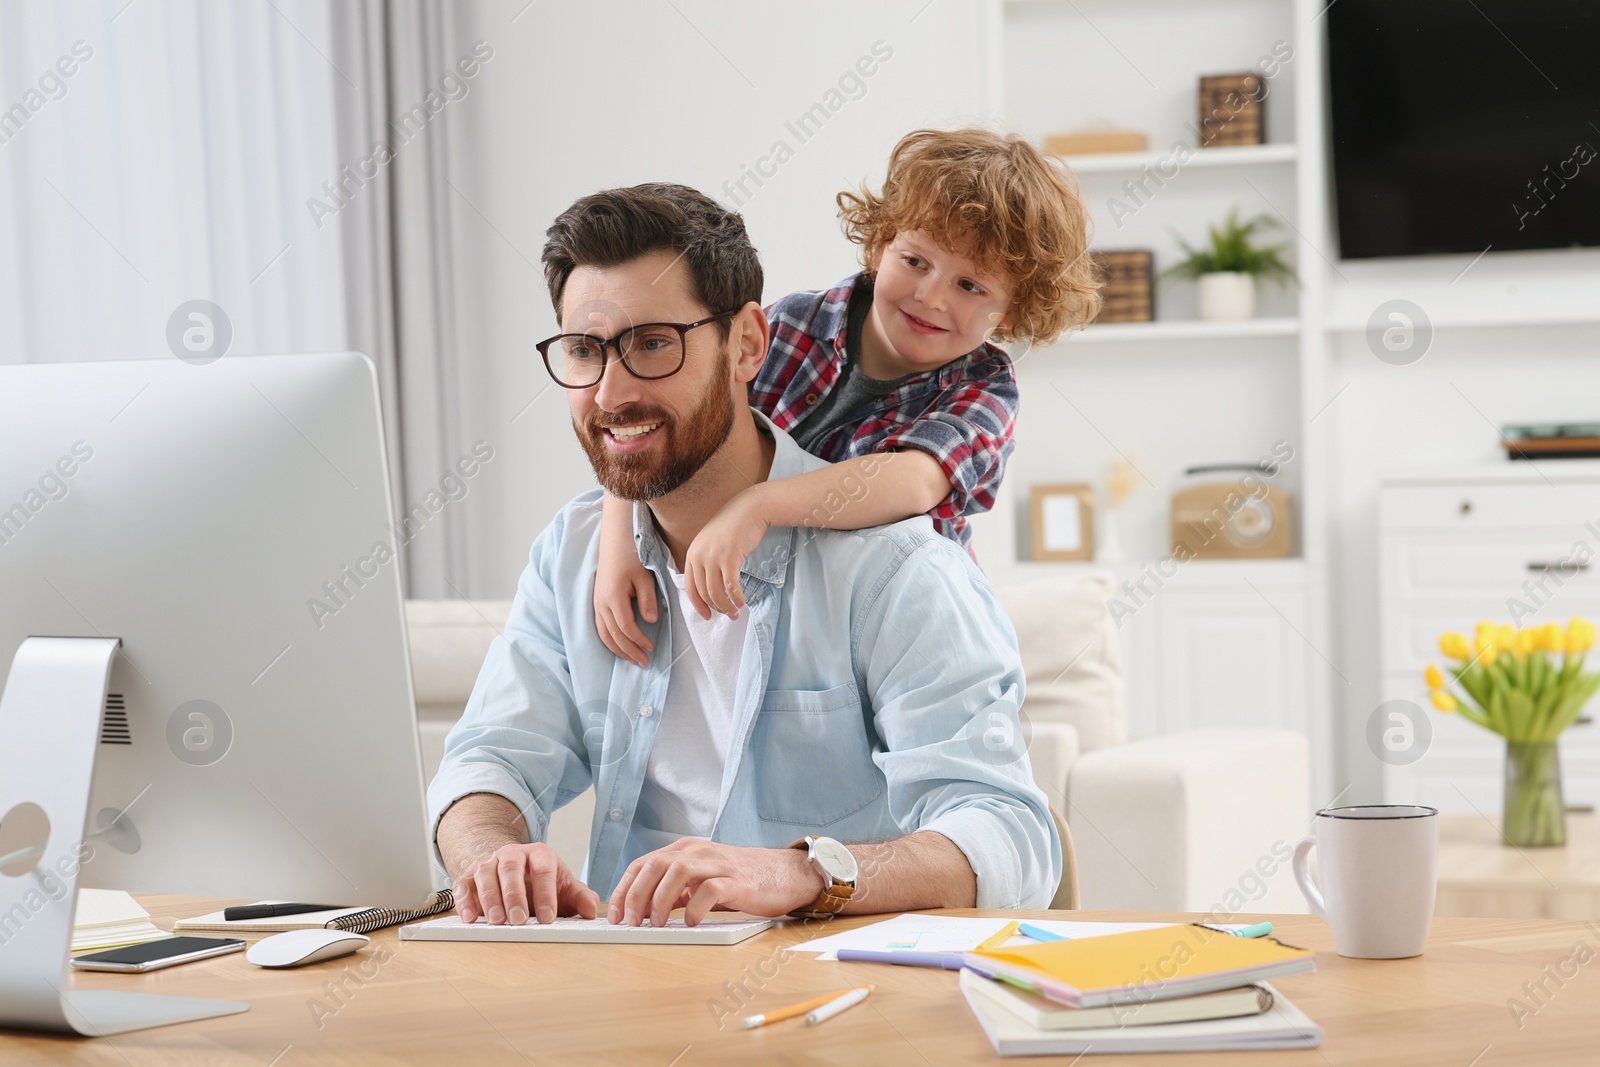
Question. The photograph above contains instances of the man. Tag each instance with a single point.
(865, 701)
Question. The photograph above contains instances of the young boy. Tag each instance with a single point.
(891, 375)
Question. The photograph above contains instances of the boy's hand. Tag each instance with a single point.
(615, 588)
(712, 564)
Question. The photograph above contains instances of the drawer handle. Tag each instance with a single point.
(1567, 566)
(1580, 809)
(1466, 507)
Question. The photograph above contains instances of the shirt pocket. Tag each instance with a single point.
(813, 760)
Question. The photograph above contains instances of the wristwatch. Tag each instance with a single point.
(838, 869)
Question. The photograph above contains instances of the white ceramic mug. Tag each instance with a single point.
(1378, 865)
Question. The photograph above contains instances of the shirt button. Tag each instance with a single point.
(811, 398)
(646, 710)
(615, 814)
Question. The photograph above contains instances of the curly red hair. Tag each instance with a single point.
(999, 200)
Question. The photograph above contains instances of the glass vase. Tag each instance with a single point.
(1534, 815)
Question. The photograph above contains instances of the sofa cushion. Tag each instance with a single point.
(1069, 653)
(449, 640)
(1203, 820)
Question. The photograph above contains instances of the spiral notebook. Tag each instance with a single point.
(356, 920)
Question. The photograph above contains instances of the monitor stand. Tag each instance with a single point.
(49, 733)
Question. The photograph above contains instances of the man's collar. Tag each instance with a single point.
(770, 560)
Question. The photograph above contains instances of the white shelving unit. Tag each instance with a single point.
(1236, 643)
(1186, 330)
(1238, 156)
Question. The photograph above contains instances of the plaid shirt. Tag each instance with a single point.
(961, 414)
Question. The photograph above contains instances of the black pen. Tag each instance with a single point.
(269, 911)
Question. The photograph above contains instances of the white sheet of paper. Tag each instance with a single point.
(1063, 530)
(949, 933)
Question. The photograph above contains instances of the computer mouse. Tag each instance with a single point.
(296, 948)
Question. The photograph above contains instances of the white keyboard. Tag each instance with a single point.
(589, 931)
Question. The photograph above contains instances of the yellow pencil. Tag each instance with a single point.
(749, 1022)
(999, 936)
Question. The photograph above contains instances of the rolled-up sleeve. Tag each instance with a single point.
(970, 436)
(944, 676)
(520, 736)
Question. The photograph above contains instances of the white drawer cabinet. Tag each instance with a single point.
(1462, 546)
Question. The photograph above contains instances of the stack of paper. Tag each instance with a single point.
(107, 918)
(917, 932)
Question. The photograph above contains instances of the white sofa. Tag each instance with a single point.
(1197, 821)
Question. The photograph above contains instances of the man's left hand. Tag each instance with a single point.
(700, 876)
(711, 566)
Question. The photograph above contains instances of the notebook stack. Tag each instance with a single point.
(110, 918)
(1185, 988)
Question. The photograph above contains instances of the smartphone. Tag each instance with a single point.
(153, 955)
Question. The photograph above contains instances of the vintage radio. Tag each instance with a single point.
(1231, 512)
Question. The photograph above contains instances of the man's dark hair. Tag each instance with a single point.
(612, 227)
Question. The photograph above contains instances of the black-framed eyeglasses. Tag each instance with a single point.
(650, 351)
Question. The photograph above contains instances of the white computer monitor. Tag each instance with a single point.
(230, 525)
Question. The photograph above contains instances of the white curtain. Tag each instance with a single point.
(156, 152)
(409, 58)
(171, 164)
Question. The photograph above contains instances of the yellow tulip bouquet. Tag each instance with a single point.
(1527, 685)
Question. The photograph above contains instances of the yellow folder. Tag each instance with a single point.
(1161, 962)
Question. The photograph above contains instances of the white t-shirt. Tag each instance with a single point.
(683, 782)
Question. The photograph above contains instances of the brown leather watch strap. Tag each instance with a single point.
(830, 902)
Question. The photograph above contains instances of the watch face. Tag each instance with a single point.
(835, 859)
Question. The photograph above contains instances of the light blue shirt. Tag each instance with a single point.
(878, 696)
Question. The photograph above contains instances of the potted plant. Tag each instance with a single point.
(1512, 682)
(1227, 271)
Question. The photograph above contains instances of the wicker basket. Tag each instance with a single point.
(1127, 279)
(1233, 110)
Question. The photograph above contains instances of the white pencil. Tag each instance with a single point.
(834, 1007)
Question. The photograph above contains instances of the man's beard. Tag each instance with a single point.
(662, 468)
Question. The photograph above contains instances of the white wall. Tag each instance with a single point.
(1444, 409)
(581, 97)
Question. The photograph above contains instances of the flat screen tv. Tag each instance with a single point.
(1464, 125)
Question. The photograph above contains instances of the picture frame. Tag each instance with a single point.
(1063, 521)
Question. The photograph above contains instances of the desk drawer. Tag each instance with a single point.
(1554, 563)
(1411, 631)
(1479, 507)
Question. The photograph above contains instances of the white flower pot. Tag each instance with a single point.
(1227, 296)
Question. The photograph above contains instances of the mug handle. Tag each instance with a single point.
(1302, 875)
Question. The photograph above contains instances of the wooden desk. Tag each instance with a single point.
(471, 1004)
(1480, 875)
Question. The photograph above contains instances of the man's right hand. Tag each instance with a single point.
(517, 881)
